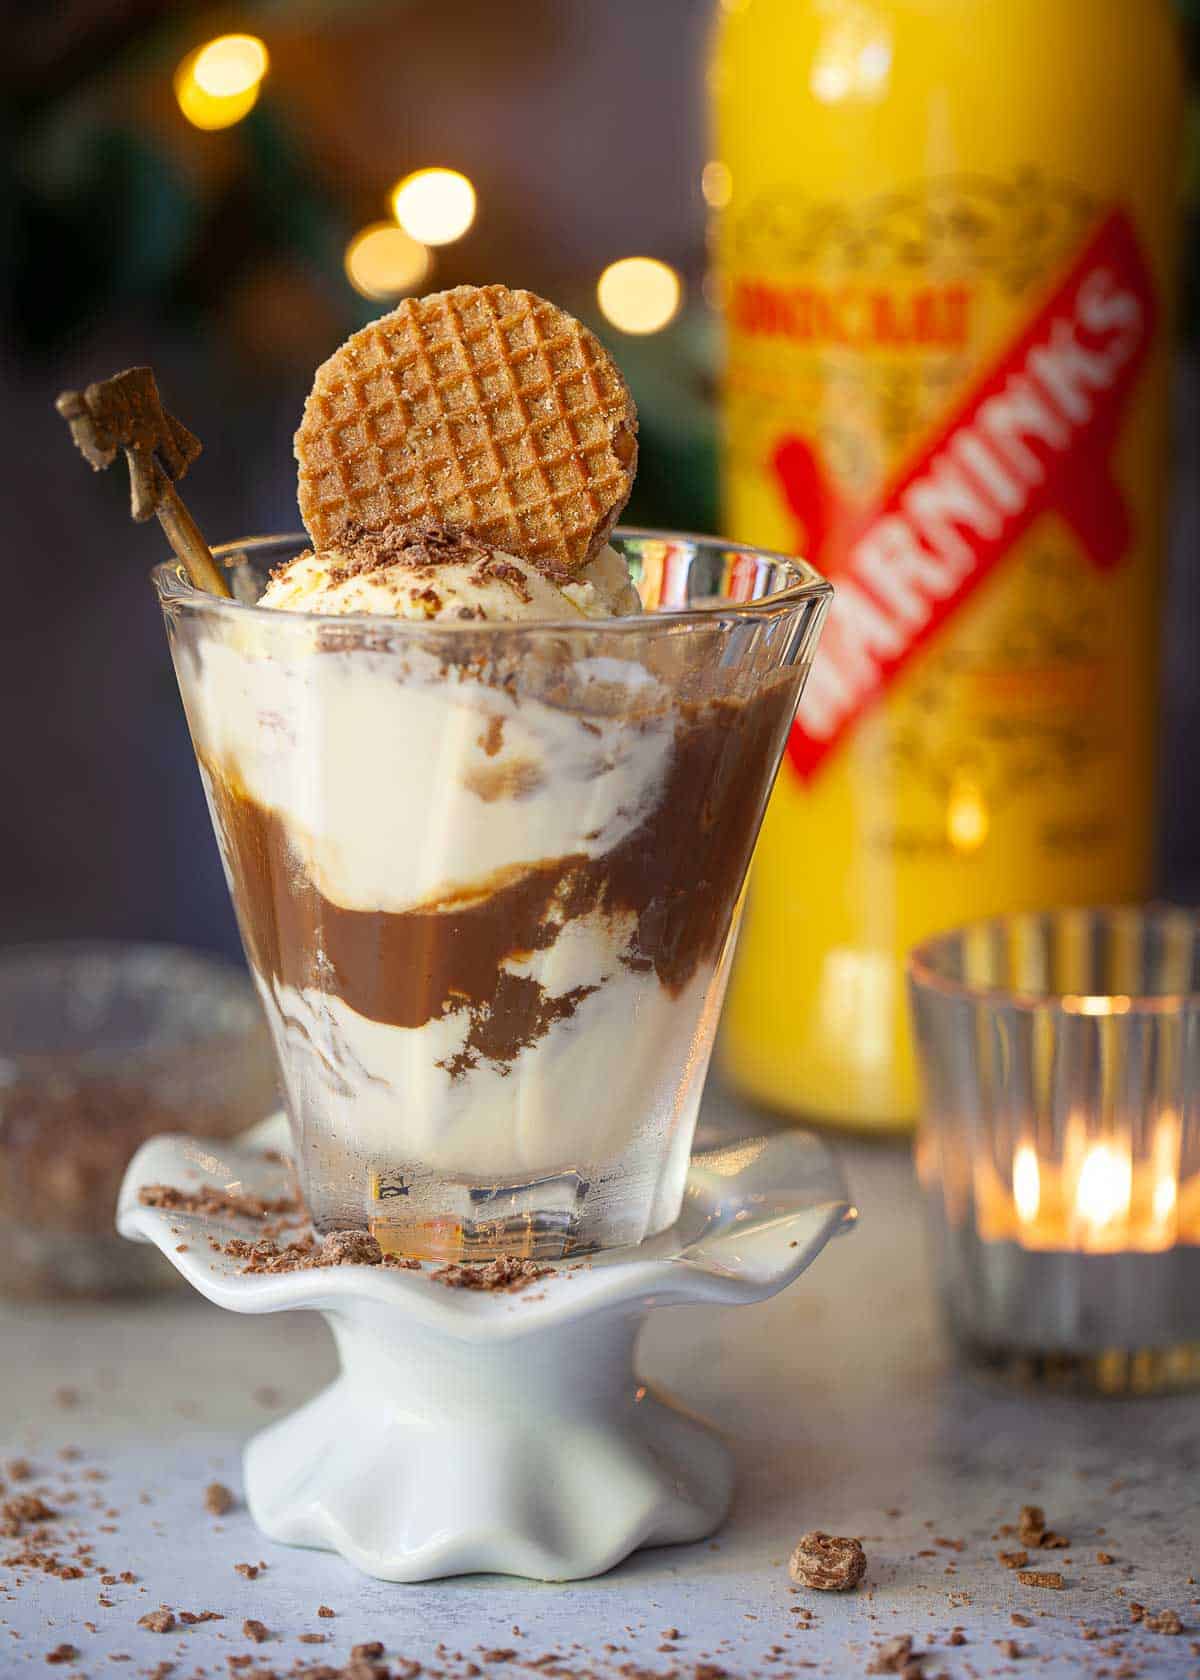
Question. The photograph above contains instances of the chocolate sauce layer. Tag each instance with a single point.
(676, 879)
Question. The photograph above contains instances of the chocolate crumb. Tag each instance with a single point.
(1048, 1578)
(507, 1273)
(897, 1657)
(217, 1499)
(350, 1248)
(828, 1562)
(26, 1507)
(213, 1202)
(1032, 1530)
(62, 1654)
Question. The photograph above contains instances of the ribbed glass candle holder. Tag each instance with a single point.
(1059, 1148)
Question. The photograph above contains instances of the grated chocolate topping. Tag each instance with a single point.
(427, 548)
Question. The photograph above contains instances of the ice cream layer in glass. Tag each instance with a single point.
(486, 817)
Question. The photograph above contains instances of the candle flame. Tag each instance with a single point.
(1105, 1186)
(1027, 1183)
(1166, 1194)
(1165, 1160)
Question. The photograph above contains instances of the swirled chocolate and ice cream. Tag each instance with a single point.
(485, 834)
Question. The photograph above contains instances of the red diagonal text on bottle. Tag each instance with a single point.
(1034, 435)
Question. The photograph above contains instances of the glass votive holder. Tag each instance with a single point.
(1059, 1148)
(101, 1046)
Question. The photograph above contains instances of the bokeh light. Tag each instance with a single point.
(716, 183)
(967, 821)
(382, 261)
(230, 65)
(639, 294)
(434, 206)
(219, 83)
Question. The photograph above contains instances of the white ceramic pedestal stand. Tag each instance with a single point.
(506, 1433)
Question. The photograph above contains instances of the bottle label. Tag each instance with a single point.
(1031, 434)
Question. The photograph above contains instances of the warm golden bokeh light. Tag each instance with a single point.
(639, 294)
(384, 262)
(716, 183)
(434, 206)
(230, 65)
(219, 83)
(966, 815)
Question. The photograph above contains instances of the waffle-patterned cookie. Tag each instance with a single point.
(491, 412)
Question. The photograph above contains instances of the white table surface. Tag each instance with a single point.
(843, 1405)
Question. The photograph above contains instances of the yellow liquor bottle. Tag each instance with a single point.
(945, 245)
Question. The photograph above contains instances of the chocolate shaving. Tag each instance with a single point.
(505, 1274)
(211, 1202)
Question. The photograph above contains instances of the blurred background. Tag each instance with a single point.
(226, 209)
(219, 235)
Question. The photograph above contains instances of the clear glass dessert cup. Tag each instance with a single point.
(488, 876)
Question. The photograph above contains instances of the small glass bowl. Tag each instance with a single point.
(101, 1046)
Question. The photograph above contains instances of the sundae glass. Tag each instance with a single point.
(486, 778)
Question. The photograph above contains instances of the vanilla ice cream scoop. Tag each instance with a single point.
(424, 572)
